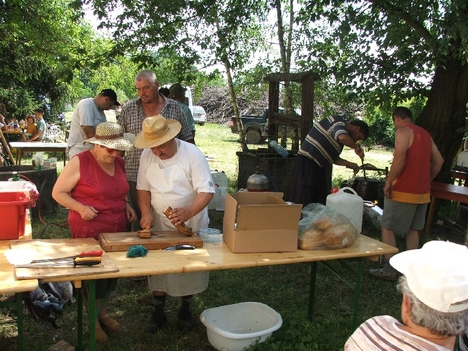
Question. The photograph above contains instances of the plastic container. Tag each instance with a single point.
(220, 181)
(13, 206)
(350, 205)
(210, 235)
(279, 149)
(236, 327)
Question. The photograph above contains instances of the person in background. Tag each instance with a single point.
(94, 188)
(3, 110)
(321, 149)
(407, 190)
(30, 125)
(149, 103)
(434, 311)
(164, 91)
(172, 173)
(87, 115)
(3, 122)
(41, 127)
(177, 93)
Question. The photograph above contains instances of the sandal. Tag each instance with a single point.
(110, 323)
(99, 334)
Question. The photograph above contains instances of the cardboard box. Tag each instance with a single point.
(260, 222)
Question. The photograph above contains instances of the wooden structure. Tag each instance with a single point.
(36, 146)
(299, 126)
(6, 149)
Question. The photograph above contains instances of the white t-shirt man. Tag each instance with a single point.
(85, 114)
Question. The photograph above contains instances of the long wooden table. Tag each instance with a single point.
(10, 285)
(446, 192)
(217, 256)
(38, 146)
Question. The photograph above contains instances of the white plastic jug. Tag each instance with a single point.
(220, 181)
(350, 205)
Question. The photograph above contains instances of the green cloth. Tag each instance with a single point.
(137, 251)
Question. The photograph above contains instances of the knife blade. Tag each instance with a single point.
(96, 253)
(67, 262)
(180, 247)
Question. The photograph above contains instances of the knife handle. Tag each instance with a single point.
(87, 261)
(90, 254)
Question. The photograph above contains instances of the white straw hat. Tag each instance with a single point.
(155, 131)
(436, 274)
(111, 135)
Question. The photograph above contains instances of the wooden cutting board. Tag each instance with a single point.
(57, 248)
(159, 240)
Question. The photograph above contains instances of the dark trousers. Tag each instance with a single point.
(311, 183)
(132, 195)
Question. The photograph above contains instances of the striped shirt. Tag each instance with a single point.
(321, 143)
(385, 333)
(132, 117)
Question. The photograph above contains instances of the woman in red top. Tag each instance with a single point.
(93, 186)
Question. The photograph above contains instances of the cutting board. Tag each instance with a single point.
(159, 240)
(56, 248)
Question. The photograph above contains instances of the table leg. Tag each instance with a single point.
(19, 311)
(430, 216)
(313, 279)
(357, 292)
(79, 300)
(92, 314)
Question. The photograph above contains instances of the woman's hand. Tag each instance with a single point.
(88, 213)
(130, 212)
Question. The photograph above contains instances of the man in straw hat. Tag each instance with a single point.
(87, 115)
(434, 310)
(149, 103)
(172, 173)
(94, 187)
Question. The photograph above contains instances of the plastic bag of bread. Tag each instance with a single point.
(323, 228)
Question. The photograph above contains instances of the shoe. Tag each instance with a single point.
(158, 319)
(185, 321)
(381, 274)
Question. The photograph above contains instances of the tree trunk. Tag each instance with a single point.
(444, 114)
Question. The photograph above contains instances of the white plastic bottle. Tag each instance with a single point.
(279, 149)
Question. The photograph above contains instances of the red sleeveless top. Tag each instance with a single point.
(105, 193)
(413, 184)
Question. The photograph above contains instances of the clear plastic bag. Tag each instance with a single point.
(323, 228)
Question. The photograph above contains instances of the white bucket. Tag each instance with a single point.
(350, 205)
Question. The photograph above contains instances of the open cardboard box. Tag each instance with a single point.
(260, 222)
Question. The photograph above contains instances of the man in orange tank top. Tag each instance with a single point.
(416, 161)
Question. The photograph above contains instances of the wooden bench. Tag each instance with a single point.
(447, 192)
(38, 146)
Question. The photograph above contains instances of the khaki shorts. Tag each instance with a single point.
(402, 217)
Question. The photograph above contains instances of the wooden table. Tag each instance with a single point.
(10, 285)
(35, 146)
(446, 192)
(217, 256)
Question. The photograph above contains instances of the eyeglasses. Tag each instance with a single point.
(109, 150)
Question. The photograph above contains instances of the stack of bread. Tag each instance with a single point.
(323, 228)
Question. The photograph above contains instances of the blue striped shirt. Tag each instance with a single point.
(321, 143)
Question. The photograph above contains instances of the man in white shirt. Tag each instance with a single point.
(87, 115)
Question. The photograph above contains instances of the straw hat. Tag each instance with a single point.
(156, 131)
(111, 135)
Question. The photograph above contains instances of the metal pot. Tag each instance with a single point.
(369, 188)
(258, 182)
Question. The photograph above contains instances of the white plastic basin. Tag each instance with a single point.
(236, 327)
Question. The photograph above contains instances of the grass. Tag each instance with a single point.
(285, 288)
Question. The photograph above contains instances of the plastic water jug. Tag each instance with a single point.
(350, 205)
(220, 181)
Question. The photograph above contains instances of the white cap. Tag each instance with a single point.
(437, 274)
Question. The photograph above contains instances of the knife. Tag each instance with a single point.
(180, 247)
(97, 253)
(62, 262)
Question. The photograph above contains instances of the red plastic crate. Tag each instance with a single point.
(13, 206)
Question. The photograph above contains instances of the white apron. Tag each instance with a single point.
(170, 187)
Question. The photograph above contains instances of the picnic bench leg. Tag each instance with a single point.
(20, 324)
(430, 216)
(313, 279)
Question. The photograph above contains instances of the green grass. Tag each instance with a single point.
(285, 288)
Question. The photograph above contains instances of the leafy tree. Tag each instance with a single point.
(386, 52)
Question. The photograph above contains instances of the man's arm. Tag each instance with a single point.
(437, 160)
(89, 131)
(346, 139)
(144, 203)
(402, 143)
